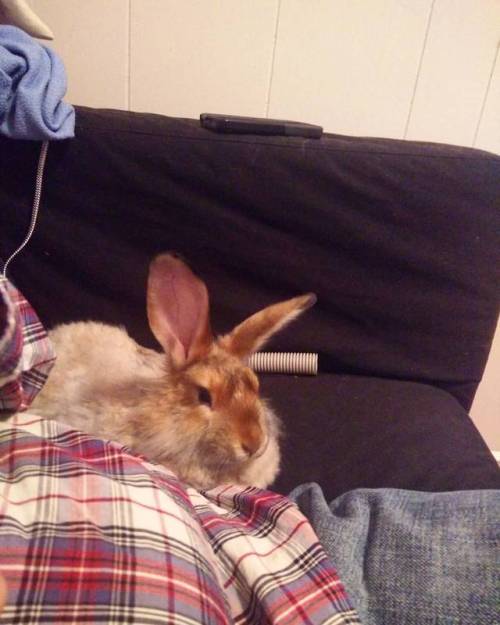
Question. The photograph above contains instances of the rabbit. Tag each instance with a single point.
(194, 408)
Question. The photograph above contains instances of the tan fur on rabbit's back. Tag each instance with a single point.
(195, 408)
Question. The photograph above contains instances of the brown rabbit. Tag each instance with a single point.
(195, 408)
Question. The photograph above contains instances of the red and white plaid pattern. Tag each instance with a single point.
(90, 533)
(26, 356)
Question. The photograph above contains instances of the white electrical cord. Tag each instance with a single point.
(284, 362)
(35, 209)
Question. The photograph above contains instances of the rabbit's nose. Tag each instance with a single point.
(250, 448)
(251, 445)
(250, 435)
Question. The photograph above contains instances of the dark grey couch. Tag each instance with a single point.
(400, 241)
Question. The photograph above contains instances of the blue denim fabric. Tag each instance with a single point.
(412, 558)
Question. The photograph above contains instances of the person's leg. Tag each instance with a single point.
(408, 557)
(3, 592)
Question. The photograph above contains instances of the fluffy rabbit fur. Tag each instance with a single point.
(194, 408)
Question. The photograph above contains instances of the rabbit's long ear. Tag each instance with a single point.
(178, 309)
(252, 333)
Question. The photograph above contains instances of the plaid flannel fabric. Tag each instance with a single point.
(26, 356)
(90, 533)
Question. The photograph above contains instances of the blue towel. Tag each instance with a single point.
(32, 85)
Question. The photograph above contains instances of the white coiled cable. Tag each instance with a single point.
(295, 363)
(35, 207)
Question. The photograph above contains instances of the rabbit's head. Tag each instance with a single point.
(218, 429)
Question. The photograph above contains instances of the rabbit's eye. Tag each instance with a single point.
(204, 396)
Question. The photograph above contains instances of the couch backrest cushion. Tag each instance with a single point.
(398, 239)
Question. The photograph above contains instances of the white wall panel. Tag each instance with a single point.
(456, 66)
(92, 39)
(488, 131)
(486, 407)
(194, 56)
(349, 65)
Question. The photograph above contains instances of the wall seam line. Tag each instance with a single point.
(486, 95)
(419, 69)
(129, 55)
(273, 58)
